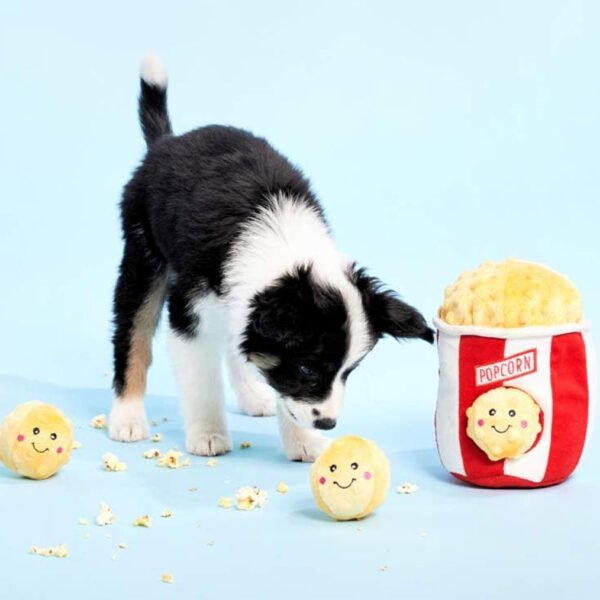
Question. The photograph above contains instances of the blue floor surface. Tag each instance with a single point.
(447, 540)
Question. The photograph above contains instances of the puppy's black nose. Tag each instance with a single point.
(325, 423)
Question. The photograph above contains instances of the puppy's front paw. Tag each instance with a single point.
(257, 399)
(305, 447)
(207, 444)
(127, 421)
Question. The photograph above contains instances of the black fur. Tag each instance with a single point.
(181, 213)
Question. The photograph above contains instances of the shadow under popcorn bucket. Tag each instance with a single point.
(554, 365)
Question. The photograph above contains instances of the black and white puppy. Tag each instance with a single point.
(228, 232)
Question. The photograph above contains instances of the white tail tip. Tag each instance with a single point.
(153, 71)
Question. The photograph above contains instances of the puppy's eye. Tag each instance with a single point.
(511, 413)
(53, 436)
(307, 372)
(492, 412)
(333, 468)
(36, 430)
(354, 466)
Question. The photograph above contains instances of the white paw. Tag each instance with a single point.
(306, 446)
(127, 421)
(256, 399)
(207, 444)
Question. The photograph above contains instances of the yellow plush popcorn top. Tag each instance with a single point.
(511, 293)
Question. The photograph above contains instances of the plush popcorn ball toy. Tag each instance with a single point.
(351, 478)
(35, 440)
(516, 385)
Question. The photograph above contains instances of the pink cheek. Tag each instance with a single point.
(524, 424)
(481, 422)
(367, 475)
(20, 438)
(322, 480)
(59, 449)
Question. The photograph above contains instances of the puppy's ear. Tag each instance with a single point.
(387, 314)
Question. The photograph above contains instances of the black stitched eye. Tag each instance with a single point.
(332, 468)
(53, 436)
(354, 466)
(36, 430)
(511, 413)
(307, 372)
(492, 412)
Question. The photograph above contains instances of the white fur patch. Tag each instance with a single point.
(153, 71)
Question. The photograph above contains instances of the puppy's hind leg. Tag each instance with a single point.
(197, 342)
(138, 300)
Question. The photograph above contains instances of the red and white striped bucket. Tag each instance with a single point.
(554, 365)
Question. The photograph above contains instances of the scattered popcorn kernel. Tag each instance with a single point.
(171, 460)
(225, 502)
(283, 488)
(144, 521)
(165, 419)
(383, 568)
(76, 445)
(154, 453)
(211, 462)
(210, 543)
(166, 578)
(245, 445)
(154, 423)
(58, 552)
(112, 463)
(122, 545)
(98, 422)
(157, 437)
(407, 488)
(250, 497)
(105, 516)
(82, 521)
(166, 514)
(192, 489)
(114, 557)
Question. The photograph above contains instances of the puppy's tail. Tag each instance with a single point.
(152, 106)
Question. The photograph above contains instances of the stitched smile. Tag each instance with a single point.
(345, 487)
(39, 451)
(498, 431)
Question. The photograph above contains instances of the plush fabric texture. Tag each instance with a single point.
(351, 478)
(517, 376)
(35, 440)
(504, 422)
(511, 293)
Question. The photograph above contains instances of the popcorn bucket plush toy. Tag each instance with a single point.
(516, 378)
(35, 440)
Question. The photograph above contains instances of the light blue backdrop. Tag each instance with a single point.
(437, 134)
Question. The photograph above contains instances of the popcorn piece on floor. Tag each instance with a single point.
(112, 463)
(154, 453)
(98, 422)
(225, 502)
(166, 578)
(250, 497)
(283, 488)
(407, 488)
(171, 460)
(245, 445)
(383, 568)
(144, 521)
(165, 419)
(153, 423)
(167, 514)
(212, 462)
(192, 489)
(76, 445)
(105, 516)
(59, 551)
(210, 543)
(82, 521)
(157, 437)
(122, 545)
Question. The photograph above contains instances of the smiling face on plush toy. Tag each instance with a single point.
(504, 423)
(37, 440)
(350, 478)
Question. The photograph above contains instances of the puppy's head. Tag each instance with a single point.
(307, 335)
